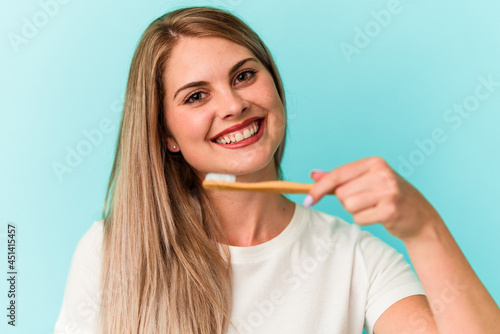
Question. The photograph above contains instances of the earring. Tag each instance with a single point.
(174, 147)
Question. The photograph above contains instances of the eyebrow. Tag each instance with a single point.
(202, 83)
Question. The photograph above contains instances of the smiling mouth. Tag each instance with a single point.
(235, 137)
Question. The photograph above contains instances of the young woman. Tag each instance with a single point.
(204, 95)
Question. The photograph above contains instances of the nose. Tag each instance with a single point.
(231, 103)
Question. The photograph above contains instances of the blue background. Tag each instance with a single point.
(68, 76)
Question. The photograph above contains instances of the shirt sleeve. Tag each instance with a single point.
(79, 311)
(390, 278)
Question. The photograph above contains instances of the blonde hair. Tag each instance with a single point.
(166, 265)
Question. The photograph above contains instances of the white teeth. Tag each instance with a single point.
(238, 136)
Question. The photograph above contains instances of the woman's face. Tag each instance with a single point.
(223, 111)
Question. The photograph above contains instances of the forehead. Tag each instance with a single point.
(202, 58)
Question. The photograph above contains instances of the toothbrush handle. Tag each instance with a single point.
(282, 187)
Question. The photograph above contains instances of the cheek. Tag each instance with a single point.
(272, 99)
(268, 99)
(276, 110)
(266, 96)
(188, 127)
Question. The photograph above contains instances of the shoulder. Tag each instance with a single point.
(86, 261)
(81, 296)
(88, 250)
(93, 235)
(375, 267)
(362, 250)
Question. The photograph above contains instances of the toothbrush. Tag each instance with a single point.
(228, 182)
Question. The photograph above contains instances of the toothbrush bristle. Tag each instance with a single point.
(220, 177)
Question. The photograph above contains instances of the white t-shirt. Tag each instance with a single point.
(319, 275)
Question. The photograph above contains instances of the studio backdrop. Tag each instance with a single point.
(415, 82)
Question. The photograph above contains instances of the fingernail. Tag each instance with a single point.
(316, 171)
(308, 201)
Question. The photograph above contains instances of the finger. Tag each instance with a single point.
(360, 201)
(317, 174)
(331, 180)
(384, 212)
(373, 180)
(366, 217)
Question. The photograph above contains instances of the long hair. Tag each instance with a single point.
(166, 265)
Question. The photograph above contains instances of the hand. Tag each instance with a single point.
(373, 192)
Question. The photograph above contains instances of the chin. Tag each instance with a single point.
(264, 165)
(260, 161)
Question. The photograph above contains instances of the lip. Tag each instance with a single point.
(247, 141)
(236, 127)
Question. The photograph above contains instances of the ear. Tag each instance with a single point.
(172, 145)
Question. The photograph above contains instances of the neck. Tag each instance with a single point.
(251, 218)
